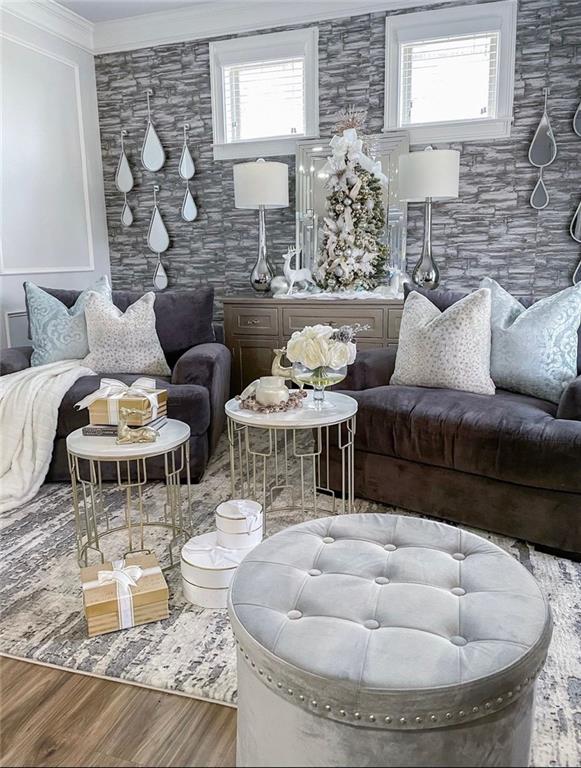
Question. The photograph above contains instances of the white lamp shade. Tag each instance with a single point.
(261, 183)
(432, 173)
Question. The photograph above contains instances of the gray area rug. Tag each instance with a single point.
(192, 652)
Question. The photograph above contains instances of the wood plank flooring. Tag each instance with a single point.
(49, 717)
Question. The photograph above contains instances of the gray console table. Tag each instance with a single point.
(255, 325)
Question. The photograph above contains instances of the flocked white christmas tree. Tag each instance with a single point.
(352, 256)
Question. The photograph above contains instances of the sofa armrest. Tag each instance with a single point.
(207, 365)
(372, 368)
(14, 359)
(570, 402)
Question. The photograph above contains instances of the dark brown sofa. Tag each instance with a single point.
(508, 463)
(197, 388)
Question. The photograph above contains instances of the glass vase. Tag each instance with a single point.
(319, 379)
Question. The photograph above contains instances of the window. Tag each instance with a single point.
(264, 93)
(450, 73)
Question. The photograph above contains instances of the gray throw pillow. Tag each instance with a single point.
(58, 332)
(124, 342)
(534, 349)
(450, 349)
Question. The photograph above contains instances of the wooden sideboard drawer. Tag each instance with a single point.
(245, 320)
(295, 318)
(393, 323)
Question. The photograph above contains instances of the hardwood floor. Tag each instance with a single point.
(53, 718)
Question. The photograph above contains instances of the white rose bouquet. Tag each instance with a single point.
(322, 346)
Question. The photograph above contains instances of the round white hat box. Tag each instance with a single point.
(207, 570)
(239, 523)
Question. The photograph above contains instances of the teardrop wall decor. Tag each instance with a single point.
(157, 236)
(160, 281)
(575, 228)
(123, 175)
(543, 148)
(577, 120)
(189, 208)
(539, 195)
(152, 153)
(126, 214)
(187, 168)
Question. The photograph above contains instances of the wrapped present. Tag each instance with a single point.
(124, 593)
(239, 523)
(208, 569)
(142, 395)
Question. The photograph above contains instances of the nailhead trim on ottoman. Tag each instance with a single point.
(390, 624)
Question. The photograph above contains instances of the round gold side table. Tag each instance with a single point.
(92, 519)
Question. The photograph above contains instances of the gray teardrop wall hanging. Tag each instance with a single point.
(126, 214)
(152, 153)
(539, 196)
(575, 228)
(123, 175)
(186, 167)
(577, 120)
(189, 208)
(543, 148)
(157, 237)
(160, 281)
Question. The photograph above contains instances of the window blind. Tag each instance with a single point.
(264, 99)
(451, 78)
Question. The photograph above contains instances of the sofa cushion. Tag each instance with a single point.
(449, 349)
(124, 341)
(187, 402)
(183, 318)
(505, 436)
(444, 299)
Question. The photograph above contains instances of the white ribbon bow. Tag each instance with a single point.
(218, 555)
(113, 390)
(124, 577)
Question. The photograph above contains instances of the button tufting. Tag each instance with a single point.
(459, 556)
(458, 591)
(294, 614)
(328, 540)
(371, 624)
(381, 580)
(390, 547)
(314, 572)
(458, 640)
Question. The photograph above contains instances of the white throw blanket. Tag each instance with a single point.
(29, 403)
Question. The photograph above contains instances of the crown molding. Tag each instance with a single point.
(212, 19)
(51, 17)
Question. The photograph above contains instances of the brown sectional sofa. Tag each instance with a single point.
(506, 462)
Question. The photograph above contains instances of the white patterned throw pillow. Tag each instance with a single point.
(123, 342)
(448, 350)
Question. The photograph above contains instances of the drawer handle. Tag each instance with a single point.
(252, 322)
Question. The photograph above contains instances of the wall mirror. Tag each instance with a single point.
(311, 195)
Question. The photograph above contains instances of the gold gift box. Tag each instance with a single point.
(99, 411)
(101, 604)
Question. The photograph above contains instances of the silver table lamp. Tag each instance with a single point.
(424, 177)
(261, 185)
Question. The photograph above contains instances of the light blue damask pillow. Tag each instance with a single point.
(534, 349)
(59, 333)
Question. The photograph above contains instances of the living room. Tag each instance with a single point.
(290, 383)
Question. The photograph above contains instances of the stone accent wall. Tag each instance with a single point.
(489, 230)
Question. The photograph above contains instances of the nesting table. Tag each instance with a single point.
(272, 462)
(93, 521)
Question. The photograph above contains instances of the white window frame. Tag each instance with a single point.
(461, 20)
(276, 45)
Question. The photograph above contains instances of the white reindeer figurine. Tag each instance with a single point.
(300, 276)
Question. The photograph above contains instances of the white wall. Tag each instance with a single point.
(53, 228)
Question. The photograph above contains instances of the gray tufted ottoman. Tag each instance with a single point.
(376, 640)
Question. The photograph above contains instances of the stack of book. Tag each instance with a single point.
(110, 430)
(104, 411)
